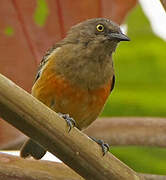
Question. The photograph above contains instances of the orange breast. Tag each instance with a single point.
(83, 105)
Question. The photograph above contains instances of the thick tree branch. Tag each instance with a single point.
(43, 125)
(130, 131)
(12, 167)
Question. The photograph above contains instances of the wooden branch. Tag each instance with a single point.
(163, 2)
(154, 177)
(12, 167)
(43, 125)
(130, 131)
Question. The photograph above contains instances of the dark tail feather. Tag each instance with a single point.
(30, 148)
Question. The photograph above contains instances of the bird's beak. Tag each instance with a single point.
(119, 36)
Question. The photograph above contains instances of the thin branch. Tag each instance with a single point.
(163, 2)
(153, 177)
(44, 125)
(130, 131)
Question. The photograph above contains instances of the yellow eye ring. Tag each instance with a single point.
(100, 27)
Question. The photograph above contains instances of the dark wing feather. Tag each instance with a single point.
(44, 61)
(113, 83)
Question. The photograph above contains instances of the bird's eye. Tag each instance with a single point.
(100, 27)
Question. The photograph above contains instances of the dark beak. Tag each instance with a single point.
(118, 36)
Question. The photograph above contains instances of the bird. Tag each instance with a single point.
(76, 76)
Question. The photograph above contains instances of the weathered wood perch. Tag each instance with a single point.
(43, 125)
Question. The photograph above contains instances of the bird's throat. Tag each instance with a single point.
(89, 71)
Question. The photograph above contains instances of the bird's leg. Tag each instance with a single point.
(104, 146)
(70, 121)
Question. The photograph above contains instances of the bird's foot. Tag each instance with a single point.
(70, 121)
(104, 146)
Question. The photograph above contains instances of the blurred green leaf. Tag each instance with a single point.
(9, 31)
(41, 12)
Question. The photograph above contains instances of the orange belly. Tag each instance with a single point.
(83, 105)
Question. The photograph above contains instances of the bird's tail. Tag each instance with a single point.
(31, 148)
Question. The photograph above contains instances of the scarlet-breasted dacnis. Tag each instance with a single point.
(77, 75)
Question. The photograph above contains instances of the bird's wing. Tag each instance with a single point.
(44, 60)
(113, 83)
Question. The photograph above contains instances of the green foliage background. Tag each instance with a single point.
(140, 89)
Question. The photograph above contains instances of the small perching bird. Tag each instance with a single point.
(77, 75)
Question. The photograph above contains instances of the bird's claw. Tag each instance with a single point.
(70, 121)
(104, 146)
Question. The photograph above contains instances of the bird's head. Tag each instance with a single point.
(97, 32)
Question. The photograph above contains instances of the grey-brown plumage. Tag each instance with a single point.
(83, 59)
(31, 148)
